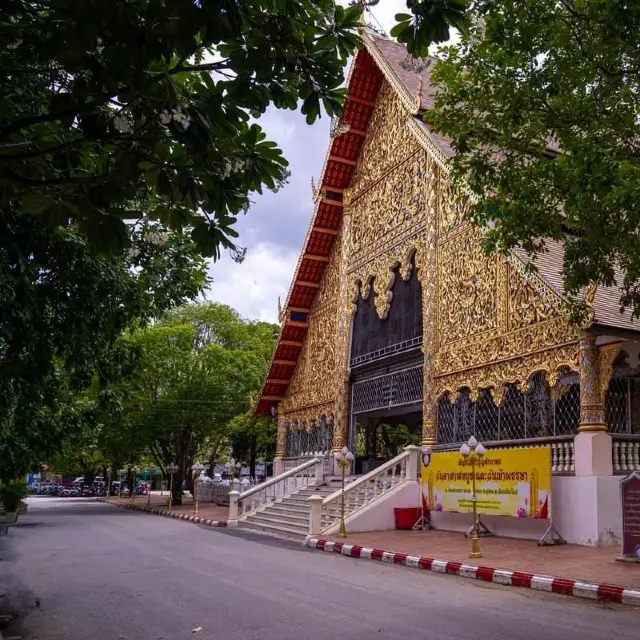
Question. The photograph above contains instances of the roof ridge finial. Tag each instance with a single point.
(317, 192)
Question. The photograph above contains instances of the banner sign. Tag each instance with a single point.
(509, 482)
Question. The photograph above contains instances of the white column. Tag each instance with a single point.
(232, 520)
(315, 519)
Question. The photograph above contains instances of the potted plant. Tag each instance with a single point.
(11, 495)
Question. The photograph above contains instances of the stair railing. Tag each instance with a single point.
(364, 490)
(244, 504)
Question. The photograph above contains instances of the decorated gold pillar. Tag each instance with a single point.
(341, 417)
(427, 274)
(345, 315)
(591, 397)
(593, 446)
(281, 442)
(429, 407)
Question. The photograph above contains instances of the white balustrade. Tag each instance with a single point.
(361, 492)
(305, 474)
(625, 454)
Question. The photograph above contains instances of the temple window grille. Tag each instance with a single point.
(389, 390)
(538, 412)
(315, 441)
(622, 405)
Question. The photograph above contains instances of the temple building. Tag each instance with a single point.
(398, 329)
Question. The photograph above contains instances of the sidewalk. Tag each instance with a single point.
(587, 564)
(206, 510)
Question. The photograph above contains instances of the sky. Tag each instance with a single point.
(275, 226)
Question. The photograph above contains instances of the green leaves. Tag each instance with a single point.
(144, 105)
(429, 23)
(64, 309)
(212, 236)
(550, 85)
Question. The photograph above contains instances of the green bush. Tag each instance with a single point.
(11, 494)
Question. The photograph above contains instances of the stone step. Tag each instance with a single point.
(298, 502)
(286, 510)
(280, 531)
(275, 519)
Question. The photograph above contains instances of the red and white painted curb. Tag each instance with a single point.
(166, 513)
(592, 591)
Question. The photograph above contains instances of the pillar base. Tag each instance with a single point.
(593, 453)
(592, 427)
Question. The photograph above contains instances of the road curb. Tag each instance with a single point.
(550, 584)
(166, 513)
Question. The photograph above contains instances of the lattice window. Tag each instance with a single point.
(302, 442)
(389, 390)
(622, 405)
(537, 413)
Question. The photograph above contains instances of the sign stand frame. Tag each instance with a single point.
(424, 521)
(551, 536)
(483, 530)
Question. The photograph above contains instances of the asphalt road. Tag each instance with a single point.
(99, 573)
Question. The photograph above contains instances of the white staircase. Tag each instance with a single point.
(289, 516)
(281, 506)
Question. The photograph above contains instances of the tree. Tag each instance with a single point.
(63, 311)
(554, 87)
(252, 437)
(198, 369)
(138, 108)
(430, 22)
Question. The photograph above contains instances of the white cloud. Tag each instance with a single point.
(253, 287)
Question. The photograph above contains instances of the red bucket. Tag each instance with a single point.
(406, 517)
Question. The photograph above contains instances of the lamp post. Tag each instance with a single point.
(197, 469)
(134, 471)
(472, 451)
(171, 469)
(344, 458)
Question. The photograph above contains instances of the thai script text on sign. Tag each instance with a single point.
(509, 482)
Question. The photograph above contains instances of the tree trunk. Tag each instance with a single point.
(130, 483)
(252, 456)
(176, 494)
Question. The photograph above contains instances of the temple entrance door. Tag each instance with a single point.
(386, 363)
(379, 436)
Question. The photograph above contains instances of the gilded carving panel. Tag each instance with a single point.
(388, 140)
(313, 381)
(468, 287)
(515, 370)
(388, 213)
(451, 209)
(526, 306)
(480, 350)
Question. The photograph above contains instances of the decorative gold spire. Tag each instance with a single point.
(418, 96)
(316, 192)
